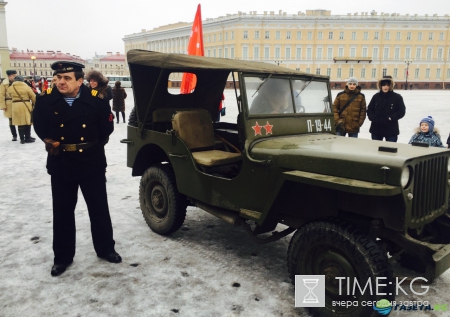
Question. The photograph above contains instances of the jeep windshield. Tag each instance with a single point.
(286, 95)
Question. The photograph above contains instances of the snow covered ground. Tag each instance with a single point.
(207, 268)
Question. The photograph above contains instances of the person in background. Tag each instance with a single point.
(119, 96)
(30, 82)
(43, 84)
(221, 104)
(427, 133)
(54, 80)
(354, 113)
(75, 123)
(99, 83)
(6, 101)
(385, 109)
(23, 100)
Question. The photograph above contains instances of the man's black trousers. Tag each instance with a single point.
(65, 195)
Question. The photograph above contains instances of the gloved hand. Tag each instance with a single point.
(51, 146)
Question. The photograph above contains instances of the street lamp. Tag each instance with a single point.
(33, 58)
(407, 61)
(278, 62)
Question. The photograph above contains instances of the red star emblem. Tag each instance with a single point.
(268, 127)
(257, 129)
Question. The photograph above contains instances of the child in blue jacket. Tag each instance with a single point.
(426, 133)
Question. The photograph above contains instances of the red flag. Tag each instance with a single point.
(195, 47)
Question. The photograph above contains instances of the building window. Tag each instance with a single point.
(439, 54)
(288, 53)
(398, 36)
(340, 52)
(226, 36)
(419, 36)
(416, 73)
(374, 73)
(232, 35)
(232, 52)
(330, 53)
(341, 35)
(277, 35)
(277, 52)
(350, 72)
(364, 52)
(309, 35)
(395, 72)
(352, 52)
(388, 36)
(308, 70)
(220, 36)
(418, 53)
(245, 52)
(438, 73)
(209, 40)
(353, 35)
(375, 53)
(429, 53)
(330, 35)
(317, 71)
(376, 35)
(267, 52)
(267, 35)
(329, 72)
(256, 53)
(214, 52)
(339, 72)
(309, 53)
(214, 38)
(319, 53)
(363, 73)
(208, 53)
(408, 36)
(245, 34)
(320, 35)
(225, 52)
(298, 53)
(427, 73)
(384, 72)
(299, 35)
(288, 35)
(441, 36)
(448, 72)
(256, 35)
(366, 36)
(386, 53)
(408, 52)
(430, 36)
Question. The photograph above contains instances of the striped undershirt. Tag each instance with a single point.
(70, 100)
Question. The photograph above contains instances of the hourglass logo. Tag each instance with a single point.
(310, 291)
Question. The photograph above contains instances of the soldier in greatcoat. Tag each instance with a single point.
(75, 124)
(5, 100)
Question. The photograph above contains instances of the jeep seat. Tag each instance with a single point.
(195, 128)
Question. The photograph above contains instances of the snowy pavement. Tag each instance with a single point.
(207, 268)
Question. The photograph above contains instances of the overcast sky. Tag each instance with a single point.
(86, 27)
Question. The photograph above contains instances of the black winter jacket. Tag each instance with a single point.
(384, 110)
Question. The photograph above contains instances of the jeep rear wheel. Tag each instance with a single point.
(163, 207)
(338, 249)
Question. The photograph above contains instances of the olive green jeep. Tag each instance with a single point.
(355, 205)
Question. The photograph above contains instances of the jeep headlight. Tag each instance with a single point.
(406, 176)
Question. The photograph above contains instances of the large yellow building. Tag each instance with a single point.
(413, 49)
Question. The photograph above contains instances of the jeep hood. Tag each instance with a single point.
(332, 155)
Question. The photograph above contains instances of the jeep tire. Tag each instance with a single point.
(335, 248)
(163, 207)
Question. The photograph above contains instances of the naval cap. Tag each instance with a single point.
(66, 67)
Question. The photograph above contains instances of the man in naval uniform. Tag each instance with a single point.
(75, 123)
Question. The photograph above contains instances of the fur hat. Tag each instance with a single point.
(430, 121)
(10, 72)
(386, 79)
(98, 77)
(352, 80)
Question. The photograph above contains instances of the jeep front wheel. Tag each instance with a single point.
(163, 207)
(338, 249)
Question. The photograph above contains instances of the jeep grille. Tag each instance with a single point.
(430, 184)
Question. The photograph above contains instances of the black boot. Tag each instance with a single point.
(22, 129)
(28, 138)
(123, 116)
(13, 132)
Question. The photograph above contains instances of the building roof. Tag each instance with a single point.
(41, 55)
(113, 58)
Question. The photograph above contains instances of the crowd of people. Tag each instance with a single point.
(384, 111)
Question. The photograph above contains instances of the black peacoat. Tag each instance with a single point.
(89, 119)
(384, 110)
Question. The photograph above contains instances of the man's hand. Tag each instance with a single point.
(51, 146)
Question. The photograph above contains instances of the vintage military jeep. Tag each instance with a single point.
(355, 205)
